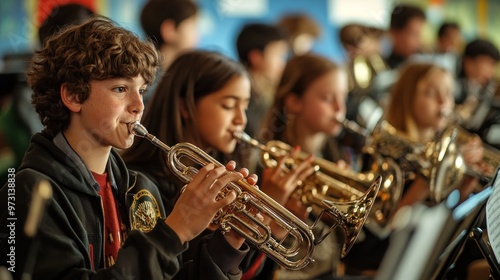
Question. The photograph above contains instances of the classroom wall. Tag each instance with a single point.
(221, 20)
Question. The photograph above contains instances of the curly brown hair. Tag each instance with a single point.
(96, 50)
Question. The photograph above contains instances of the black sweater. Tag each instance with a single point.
(72, 227)
(209, 246)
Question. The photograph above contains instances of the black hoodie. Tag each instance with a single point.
(70, 239)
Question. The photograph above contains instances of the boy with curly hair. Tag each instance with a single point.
(104, 221)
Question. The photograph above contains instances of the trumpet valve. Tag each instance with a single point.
(224, 227)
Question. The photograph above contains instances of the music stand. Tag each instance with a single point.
(474, 232)
(483, 245)
(428, 245)
(490, 245)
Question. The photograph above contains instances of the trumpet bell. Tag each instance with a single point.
(373, 164)
(354, 214)
(344, 195)
(447, 166)
(390, 192)
(440, 161)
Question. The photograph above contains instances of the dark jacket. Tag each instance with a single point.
(209, 255)
(70, 238)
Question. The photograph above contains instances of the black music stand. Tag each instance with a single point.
(432, 239)
(475, 233)
(478, 236)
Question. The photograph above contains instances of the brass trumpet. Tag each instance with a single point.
(440, 160)
(374, 163)
(295, 250)
(491, 156)
(472, 112)
(352, 193)
(332, 183)
(469, 115)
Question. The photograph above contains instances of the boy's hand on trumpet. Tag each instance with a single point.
(250, 178)
(197, 204)
(233, 238)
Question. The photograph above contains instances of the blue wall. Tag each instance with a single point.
(18, 28)
(222, 37)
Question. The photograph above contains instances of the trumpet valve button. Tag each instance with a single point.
(225, 228)
(244, 197)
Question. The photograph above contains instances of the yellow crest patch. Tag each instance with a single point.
(144, 211)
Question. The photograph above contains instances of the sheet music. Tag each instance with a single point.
(493, 218)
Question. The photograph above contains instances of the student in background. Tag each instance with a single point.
(302, 32)
(263, 50)
(104, 221)
(478, 88)
(430, 87)
(309, 103)
(479, 61)
(406, 25)
(449, 38)
(364, 63)
(416, 109)
(172, 26)
(360, 40)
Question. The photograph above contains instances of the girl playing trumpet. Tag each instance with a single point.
(309, 102)
(201, 99)
(418, 108)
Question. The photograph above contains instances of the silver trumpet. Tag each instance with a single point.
(294, 251)
(355, 127)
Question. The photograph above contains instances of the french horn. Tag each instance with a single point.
(439, 161)
(295, 250)
(457, 119)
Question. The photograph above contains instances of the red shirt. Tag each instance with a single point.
(113, 227)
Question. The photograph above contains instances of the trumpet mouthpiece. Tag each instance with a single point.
(240, 135)
(137, 129)
(341, 120)
(445, 113)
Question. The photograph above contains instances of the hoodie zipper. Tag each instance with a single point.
(132, 185)
(125, 200)
(103, 233)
